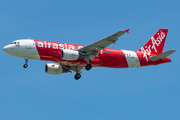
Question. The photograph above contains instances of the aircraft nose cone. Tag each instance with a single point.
(6, 49)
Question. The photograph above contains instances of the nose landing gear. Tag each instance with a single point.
(25, 65)
(26, 61)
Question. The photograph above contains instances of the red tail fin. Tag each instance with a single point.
(156, 44)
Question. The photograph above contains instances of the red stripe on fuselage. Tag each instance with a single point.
(112, 58)
(51, 51)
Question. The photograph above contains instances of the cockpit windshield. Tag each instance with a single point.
(15, 43)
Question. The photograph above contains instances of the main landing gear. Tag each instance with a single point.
(77, 76)
(88, 67)
(26, 61)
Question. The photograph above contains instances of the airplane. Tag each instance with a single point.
(73, 58)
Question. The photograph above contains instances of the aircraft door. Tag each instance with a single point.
(28, 45)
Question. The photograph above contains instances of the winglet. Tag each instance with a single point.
(127, 30)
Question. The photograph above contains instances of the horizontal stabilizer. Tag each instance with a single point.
(162, 56)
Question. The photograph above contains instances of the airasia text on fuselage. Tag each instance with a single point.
(54, 45)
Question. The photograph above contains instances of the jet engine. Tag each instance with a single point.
(69, 54)
(54, 69)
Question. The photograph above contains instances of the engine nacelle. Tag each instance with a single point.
(69, 54)
(54, 69)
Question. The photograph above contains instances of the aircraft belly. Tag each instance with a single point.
(80, 63)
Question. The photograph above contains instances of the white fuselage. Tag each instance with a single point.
(22, 48)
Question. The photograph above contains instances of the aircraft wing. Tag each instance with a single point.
(95, 47)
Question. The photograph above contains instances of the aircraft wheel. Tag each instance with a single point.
(25, 65)
(77, 76)
(88, 67)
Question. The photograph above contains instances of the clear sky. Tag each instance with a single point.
(147, 93)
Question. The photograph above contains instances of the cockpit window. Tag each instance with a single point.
(15, 43)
